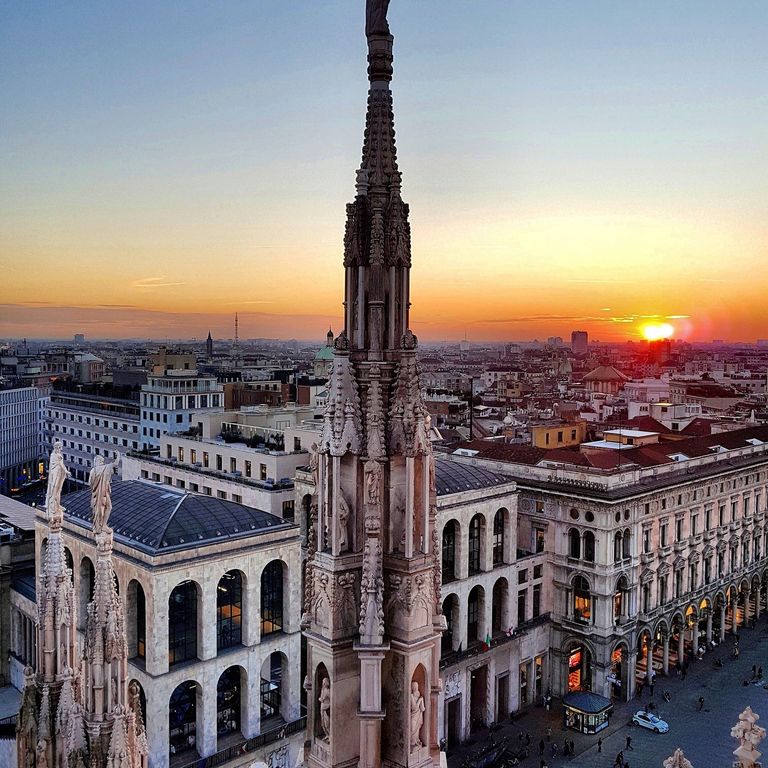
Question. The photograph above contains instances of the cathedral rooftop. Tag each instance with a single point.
(158, 518)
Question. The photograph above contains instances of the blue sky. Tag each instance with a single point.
(159, 141)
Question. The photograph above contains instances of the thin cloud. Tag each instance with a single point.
(153, 282)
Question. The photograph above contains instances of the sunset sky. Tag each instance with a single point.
(569, 165)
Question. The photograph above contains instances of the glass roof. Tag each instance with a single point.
(455, 476)
(157, 518)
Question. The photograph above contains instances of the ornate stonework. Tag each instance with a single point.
(372, 608)
(76, 712)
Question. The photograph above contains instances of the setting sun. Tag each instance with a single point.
(656, 331)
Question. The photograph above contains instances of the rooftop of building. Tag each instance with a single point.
(605, 373)
(17, 514)
(454, 477)
(157, 519)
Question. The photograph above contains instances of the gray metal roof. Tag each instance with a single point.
(158, 518)
(455, 477)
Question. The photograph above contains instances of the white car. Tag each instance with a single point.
(650, 721)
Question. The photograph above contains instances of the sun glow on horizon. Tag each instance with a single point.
(657, 331)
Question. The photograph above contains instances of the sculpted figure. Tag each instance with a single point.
(100, 480)
(314, 463)
(417, 715)
(42, 758)
(373, 481)
(57, 474)
(341, 521)
(376, 17)
(325, 709)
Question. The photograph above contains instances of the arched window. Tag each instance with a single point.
(574, 544)
(228, 698)
(474, 544)
(272, 598)
(589, 547)
(449, 551)
(626, 545)
(450, 604)
(619, 596)
(182, 623)
(229, 610)
(136, 609)
(182, 717)
(617, 545)
(498, 536)
(473, 614)
(272, 674)
(582, 600)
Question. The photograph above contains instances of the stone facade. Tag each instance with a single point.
(155, 577)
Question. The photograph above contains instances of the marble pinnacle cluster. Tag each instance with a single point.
(77, 710)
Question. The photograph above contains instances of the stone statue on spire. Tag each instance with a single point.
(57, 474)
(376, 17)
(100, 480)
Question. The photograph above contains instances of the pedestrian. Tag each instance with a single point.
(554, 750)
(701, 703)
(565, 747)
(629, 743)
(549, 734)
(527, 739)
(541, 748)
(650, 688)
(520, 738)
(684, 672)
(640, 690)
(619, 760)
(759, 673)
(754, 671)
(600, 744)
(572, 746)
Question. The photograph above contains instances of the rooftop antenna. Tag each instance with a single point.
(237, 339)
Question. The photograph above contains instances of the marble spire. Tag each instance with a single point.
(372, 588)
(51, 709)
(77, 711)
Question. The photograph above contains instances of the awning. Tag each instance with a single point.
(586, 702)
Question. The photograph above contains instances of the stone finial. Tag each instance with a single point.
(677, 760)
(749, 735)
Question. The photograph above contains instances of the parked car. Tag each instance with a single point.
(650, 721)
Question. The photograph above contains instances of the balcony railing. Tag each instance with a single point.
(477, 648)
(248, 745)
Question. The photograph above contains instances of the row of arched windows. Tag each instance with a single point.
(185, 606)
(475, 544)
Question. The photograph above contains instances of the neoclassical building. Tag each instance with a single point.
(650, 557)
(495, 599)
(211, 591)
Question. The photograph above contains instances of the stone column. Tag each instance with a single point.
(665, 654)
(757, 605)
(157, 631)
(486, 563)
(709, 626)
(206, 718)
(488, 615)
(490, 704)
(649, 660)
(206, 620)
(460, 628)
(722, 623)
(252, 611)
(462, 551)
(681, 646)
(156, 718)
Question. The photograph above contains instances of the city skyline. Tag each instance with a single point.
(163, 168)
